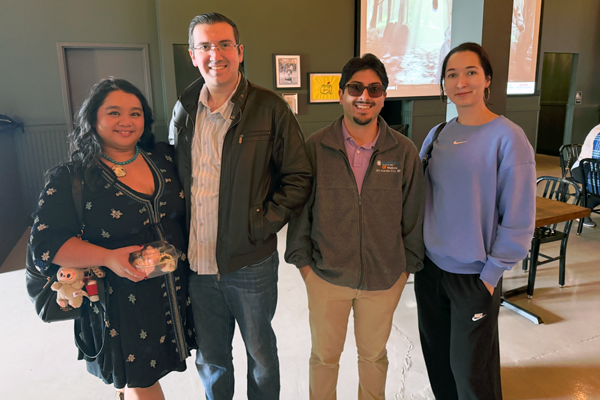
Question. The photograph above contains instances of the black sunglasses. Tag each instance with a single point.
(355, 89)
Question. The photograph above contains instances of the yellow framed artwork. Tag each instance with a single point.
(323, 87)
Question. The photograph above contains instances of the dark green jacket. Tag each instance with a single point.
(361, 241)
(265, 171)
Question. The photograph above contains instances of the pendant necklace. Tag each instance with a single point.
(118, 168)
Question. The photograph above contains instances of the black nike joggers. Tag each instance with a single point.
(458, 326)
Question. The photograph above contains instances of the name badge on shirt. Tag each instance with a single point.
(387, 166)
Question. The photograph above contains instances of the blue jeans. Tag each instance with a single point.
(248, 296)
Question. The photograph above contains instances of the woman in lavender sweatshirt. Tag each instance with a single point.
(479, 221)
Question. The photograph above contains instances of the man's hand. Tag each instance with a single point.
(489, 287)
(304, 271)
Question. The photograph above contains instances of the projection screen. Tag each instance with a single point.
(524, 41)
(412, 37)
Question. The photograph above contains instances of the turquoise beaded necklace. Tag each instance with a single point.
(118, 168)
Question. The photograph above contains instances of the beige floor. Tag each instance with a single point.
(557, 360)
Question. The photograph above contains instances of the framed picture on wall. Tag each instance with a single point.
(323, 87)
(292, 100)
(286, 71)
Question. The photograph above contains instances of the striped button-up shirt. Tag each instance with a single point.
(207, 147)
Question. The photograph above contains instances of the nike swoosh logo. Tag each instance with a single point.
(477, 317)
(455, 142)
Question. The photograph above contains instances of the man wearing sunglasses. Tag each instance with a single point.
(360, 234)
(242, 162)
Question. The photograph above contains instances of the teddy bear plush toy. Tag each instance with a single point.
(69, 287)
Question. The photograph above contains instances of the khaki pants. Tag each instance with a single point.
(329, 308)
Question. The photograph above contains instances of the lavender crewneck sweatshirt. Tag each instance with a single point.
(480, 198)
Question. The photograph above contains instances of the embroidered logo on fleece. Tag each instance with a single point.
(387, 166)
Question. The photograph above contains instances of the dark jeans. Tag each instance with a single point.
(458, 326)
(248, 296)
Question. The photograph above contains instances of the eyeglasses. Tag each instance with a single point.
(355, 89)
(225, 47)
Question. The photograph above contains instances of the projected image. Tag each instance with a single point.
(411, 37)
(524, 46)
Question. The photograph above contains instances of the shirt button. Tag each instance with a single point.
(357, 151)
(202, 185)
(201, 243)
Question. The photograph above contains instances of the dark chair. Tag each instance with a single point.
(569, 153)
(590, 169)
(561, 190)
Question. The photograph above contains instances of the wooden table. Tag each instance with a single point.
(547, 212)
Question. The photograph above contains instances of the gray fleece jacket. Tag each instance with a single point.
(361, 241)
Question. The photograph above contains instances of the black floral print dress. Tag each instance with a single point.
(150, 328)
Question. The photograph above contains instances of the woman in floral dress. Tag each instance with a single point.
(131, 196)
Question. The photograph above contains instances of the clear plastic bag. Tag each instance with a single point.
(155, 259)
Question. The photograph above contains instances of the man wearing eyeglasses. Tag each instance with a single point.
(360, 233)
(244, 168)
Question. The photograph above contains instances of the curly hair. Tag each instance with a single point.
(85, 144)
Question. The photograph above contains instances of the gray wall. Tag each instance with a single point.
(574, 27)
(322, 33)
(30, 85)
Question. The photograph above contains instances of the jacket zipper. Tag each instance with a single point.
(360, 244)
(360, 212)
(254, 137)
(226, 164)
(362, 269)
(359, 219)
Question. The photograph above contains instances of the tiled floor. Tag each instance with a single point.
(557, 360)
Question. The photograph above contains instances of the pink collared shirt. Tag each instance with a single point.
(359, 156)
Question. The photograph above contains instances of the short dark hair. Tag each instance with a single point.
(484, 60)
(208, 19)
(367, 61)
(85, 144)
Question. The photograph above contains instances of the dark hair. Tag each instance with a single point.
(484, 60)
(367, 61)
(208, 19)
(85, 144)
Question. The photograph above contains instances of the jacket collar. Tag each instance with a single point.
(334, 138)
(189, 98)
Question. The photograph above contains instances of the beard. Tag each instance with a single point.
(363, 121)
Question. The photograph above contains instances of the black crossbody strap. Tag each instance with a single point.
(430, 148)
